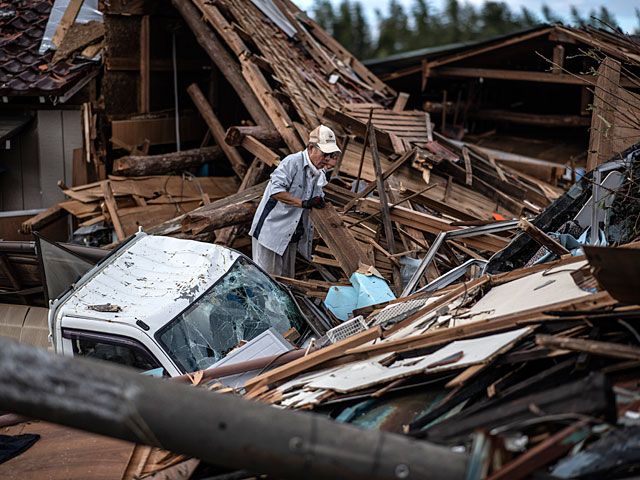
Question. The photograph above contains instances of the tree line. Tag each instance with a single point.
(421, 25)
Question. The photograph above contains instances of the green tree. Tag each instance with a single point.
(361, 46)
(549, 16)
(393, 30)
(323, 14)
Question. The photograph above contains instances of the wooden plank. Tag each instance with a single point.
(401, 102)
(542, 238)
(338, 238)
(200, 101)
(594, 347)
(479, 327)
(355, 126)
(110, 202)
(274, 109)
(145, 48)
(603, 116)
(260, 150)
(430, 224)
(316, 358)
(68, 19)
(42, 219)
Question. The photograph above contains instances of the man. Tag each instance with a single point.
(281, 224)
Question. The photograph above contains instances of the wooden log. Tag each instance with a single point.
(236, 160)
(542, 238)
(211, 220)
(137, 165)
(344, 247)
(270, 137)
(223, 60)
(595, 347)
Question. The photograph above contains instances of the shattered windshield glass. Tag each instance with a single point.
(240, 306)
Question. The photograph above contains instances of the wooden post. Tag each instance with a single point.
(68, 19)
(558, 59)
(145, 44)
(237, 163)
(384, 208)
(364, 150)
(603, 115)
(270, 137)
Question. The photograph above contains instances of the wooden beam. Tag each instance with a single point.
(223, 60)
(605, 349)
(43, 219)
(145, 48)
(344, 247)
(261, 151)
(542, 238)
(558, 59)
(112, 207)
(68, 19)
(401, 102)
(603, 115)
(235, 214)
(518, 75)
(200, 101)
(523, 118)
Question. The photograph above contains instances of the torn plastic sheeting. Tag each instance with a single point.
(366, 290)
(88, 13)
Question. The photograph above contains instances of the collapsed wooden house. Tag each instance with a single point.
(529, 92)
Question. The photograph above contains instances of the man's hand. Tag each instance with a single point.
(313, 202)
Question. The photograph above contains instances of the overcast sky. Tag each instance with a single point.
(623, 10)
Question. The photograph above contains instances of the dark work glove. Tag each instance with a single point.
(313, 202)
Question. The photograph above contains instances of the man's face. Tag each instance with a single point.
(322, 160)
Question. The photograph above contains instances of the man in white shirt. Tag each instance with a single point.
(281, 224)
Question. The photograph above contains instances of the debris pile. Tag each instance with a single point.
(460, 299)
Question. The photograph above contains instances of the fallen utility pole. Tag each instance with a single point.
(217, 428)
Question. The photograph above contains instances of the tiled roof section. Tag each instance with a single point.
(23, 71)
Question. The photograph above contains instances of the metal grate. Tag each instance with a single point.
(348, 328)
(399, 311)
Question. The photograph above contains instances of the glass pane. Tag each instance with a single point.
(240, 306)
(61, 267)
(113, 352)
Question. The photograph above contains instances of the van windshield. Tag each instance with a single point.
(240, 306)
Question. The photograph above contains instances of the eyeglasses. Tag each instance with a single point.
(330, 156)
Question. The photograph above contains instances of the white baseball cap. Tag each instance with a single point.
(325, 139)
